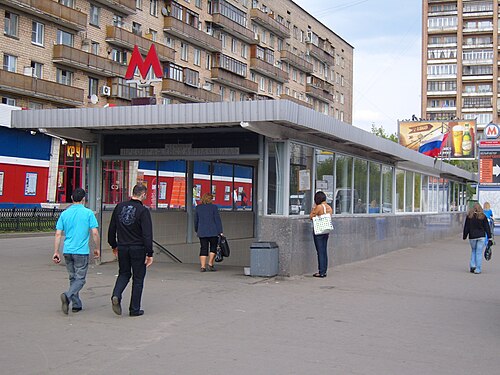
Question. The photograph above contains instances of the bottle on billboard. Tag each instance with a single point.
(458, 132)
(467, 141)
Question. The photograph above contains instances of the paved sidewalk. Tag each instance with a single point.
(414, 311)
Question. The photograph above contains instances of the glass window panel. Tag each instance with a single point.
(424, 196)
(171, 187)
(324, 174)
(417, 199)
(360, 186)
(243, 182)
(409, 191)
(400, 192)
(201, 180)
(343, 183)
(275, 160)
(374, 189)
(115, 181)
(301, 162)
(222, 178)
(387, 174)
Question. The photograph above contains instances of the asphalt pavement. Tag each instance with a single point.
(413, 311)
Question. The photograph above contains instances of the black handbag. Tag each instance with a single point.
(224, 246)
(218, 255)
(487, 251)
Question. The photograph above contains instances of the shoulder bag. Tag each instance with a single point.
(322, 224)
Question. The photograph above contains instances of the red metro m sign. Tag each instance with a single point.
(151, 62)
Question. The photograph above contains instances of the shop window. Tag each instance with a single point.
(344, 193)
(360, 185)
(374, 191)
(324, 174)
(387, 177)
(400, 190)
(409, 191)
(301, 162)
(417, 188)
(275, 177)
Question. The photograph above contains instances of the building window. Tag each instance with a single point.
(192, 19)
(208, 62)
(35, 105)
(232, 95)
(118, 21)
(11, 24)
(119, 56)
(262, 84)
(94, 48)
(37, 69)
(270, 86)
(223, 39)
(95, 14)
(136, 28)
(153, 8)
(184, 51)
(191, 77)
(175, 72)
(37, 33)
(234, 45)
(138, 4)
(197, 3)
(244, 51)
(197, 57)
(8, 101)
(222, 92)
(154, 34)
(68, 3)
(64, 77)
(65, 38)
(9, 63)
(93, 86)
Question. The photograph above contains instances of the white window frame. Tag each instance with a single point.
(37, 33)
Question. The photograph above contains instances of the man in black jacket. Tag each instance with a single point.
(130, 235)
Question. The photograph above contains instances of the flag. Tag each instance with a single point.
(433, 146)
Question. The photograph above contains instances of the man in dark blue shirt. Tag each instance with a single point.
(130, 235)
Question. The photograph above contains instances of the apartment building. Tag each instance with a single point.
(460, 60)
(74, 53)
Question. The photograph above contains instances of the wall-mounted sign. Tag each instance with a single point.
(491, 131)
(144, 66)
(489, 167)
(30, 183)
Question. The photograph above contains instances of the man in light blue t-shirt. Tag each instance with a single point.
(76, 222)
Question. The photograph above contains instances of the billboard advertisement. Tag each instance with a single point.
(460, 141)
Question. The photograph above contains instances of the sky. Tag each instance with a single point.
(386, 36)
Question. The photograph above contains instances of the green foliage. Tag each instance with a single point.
(380, 132)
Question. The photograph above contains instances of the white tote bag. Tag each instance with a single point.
(322, 223)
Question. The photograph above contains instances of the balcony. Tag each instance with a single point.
(296, 61)
(51, 11)
(20, 84)
(267, 21)
(226, 78)
(187, 32)
(123, 6)
(235, 28)
(295, 100)
(321, 54)
(188, 93)
(88, 62)
(268, 70)
(126, 39)
(318, 93)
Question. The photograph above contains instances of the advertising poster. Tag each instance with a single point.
(30, 184)
(1, 182)
(461, 138)
(489, 167)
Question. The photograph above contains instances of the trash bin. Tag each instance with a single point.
(264, 259)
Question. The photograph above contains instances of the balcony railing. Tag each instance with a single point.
(267, 21)
(241, 32)
(297, 61)
(268, 70)
(51, 11)
(126, 39)
(86, 61)
(185, 92)
(321, 54)
(318, 93)
(295, 100)
(226, 78)
(123, 6)
(194, 36)
(20, 84)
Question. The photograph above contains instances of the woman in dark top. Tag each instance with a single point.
(476, 227)
(208, 226)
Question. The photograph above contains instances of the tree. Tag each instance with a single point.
(380, 132)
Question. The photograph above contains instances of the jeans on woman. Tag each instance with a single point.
(321, 242)
(77, 266)
(476, 257)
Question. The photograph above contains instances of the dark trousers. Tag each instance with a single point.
(205, 241)
(321, 242)
(131, 262)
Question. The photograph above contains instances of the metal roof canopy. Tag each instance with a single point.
(277, 119)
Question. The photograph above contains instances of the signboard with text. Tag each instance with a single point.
(460, 143)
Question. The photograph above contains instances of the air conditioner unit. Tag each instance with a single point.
(105, 90)
(207, 86)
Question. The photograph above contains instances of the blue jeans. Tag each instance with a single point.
(321, 242)
(77, 266)
(476, 258)
(131, 261)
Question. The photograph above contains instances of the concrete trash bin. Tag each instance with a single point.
(264, 259)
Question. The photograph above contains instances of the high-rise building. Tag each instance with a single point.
(74, 53)
(460, 60)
